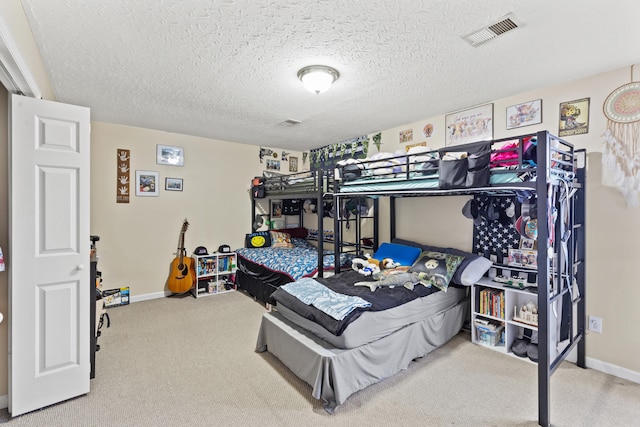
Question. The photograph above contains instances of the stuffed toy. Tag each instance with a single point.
(364, 267)
(383, 264)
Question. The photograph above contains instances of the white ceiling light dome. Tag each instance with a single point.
(318, 78)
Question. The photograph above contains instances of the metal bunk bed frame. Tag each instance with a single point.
(561, 261)
(321, 188)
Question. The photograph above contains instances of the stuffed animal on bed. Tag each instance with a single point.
(364, 267)
(383, 264)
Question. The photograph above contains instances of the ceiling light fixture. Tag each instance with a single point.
(318, 78)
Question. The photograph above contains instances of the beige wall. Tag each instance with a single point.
(138, 240)
(613, 229)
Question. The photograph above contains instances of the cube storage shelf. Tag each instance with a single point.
(494, 314)
(213, 274)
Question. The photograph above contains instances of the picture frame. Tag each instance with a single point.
(169, 155)
(471, 125)
(527, 244)
(406, 136)
(173, 184)
(293, 164)
(574, 117)
(276, 209)
(524, 114)
(146, 183)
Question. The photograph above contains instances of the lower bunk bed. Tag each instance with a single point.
(373, 342)
(261, 270)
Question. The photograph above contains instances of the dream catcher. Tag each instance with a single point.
(620, 152)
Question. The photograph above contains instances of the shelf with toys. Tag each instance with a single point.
(213, 272)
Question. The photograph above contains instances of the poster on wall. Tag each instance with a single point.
(525, 114)
(472, 125)
(574, 117)
(123, 176)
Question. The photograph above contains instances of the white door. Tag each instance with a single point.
(49, 253)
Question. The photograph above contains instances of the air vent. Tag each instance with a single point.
(483, 35)
(289, 122)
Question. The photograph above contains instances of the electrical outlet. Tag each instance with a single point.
(595, 324)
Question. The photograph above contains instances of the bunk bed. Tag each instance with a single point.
(540, 165)
(262, 270)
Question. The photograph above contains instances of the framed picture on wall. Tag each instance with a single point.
(173, 184)
(276, 209)
(168, 155)
(525, 114)
(472, 125)
(146, 183)
(574, 117)
(293, 164)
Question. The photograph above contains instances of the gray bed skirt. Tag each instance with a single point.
(334, 373)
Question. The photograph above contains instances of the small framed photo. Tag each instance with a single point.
(173, 184)
(276, 209)
(293, 164)
(146, 183)
(527, 244)
(168, 155)
(525, 114)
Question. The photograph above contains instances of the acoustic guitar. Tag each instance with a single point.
(183, 274)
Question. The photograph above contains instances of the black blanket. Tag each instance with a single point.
(380, 299)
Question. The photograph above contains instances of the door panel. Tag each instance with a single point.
(49, 244)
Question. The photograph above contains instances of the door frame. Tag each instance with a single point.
(15, 74)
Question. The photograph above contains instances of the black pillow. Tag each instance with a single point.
(259, 239)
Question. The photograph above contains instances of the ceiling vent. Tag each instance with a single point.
(289, 122)
(483, 35)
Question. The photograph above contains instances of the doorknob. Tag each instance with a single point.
(80, 267)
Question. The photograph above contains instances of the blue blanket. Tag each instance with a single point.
(336, 305)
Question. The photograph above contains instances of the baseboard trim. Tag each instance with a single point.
(145, 297)
(4, 401)
(615, 370)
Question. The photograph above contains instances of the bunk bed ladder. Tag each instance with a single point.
(561, 261)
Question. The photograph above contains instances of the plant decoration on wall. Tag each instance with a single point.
(123, 181)
(620, 152)
(377, 139)
(304, 158)
(329, 155)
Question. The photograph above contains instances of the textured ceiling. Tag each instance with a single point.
(226, 69)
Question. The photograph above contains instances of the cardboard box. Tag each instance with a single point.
(115, 297)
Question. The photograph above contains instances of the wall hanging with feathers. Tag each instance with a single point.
(620, 153)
